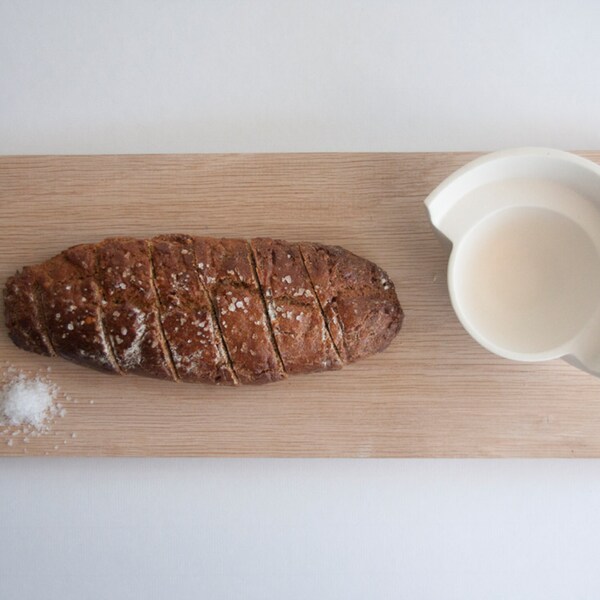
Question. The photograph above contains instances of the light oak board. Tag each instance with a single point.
(434, 392)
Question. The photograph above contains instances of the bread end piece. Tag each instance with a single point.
(358, 299)
(22, 314)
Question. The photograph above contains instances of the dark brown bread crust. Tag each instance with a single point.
(70, 303)
(131, 317)
(186, 314)
(225, 268)
(300, 331)
(357, 297)
(218, 311)
(23, 313)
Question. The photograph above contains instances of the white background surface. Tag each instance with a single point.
(108, 77)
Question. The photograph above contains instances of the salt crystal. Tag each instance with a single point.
(73, 435)
(239, 304)
(123, 331)
(92, 401)
(184, 251)
(286, 279)
(70, 327)
(201, 265)
(10, 442)
(27, 401)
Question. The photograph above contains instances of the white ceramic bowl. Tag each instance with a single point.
(523, 226)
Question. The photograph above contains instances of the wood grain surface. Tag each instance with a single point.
(434, 392)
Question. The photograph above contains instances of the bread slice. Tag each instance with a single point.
(301, 333)
(131, 317)
(186, 314)
(225, 268)
(71, 305)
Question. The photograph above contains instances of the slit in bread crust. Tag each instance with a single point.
(325, 319)
(215, 316)
(265, 306)
(106, 338)
(332, 305)
(165, 341)
(38, 303)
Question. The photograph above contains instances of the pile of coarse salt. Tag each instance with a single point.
(28, 403)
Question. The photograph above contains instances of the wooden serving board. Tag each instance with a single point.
(434, 392)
